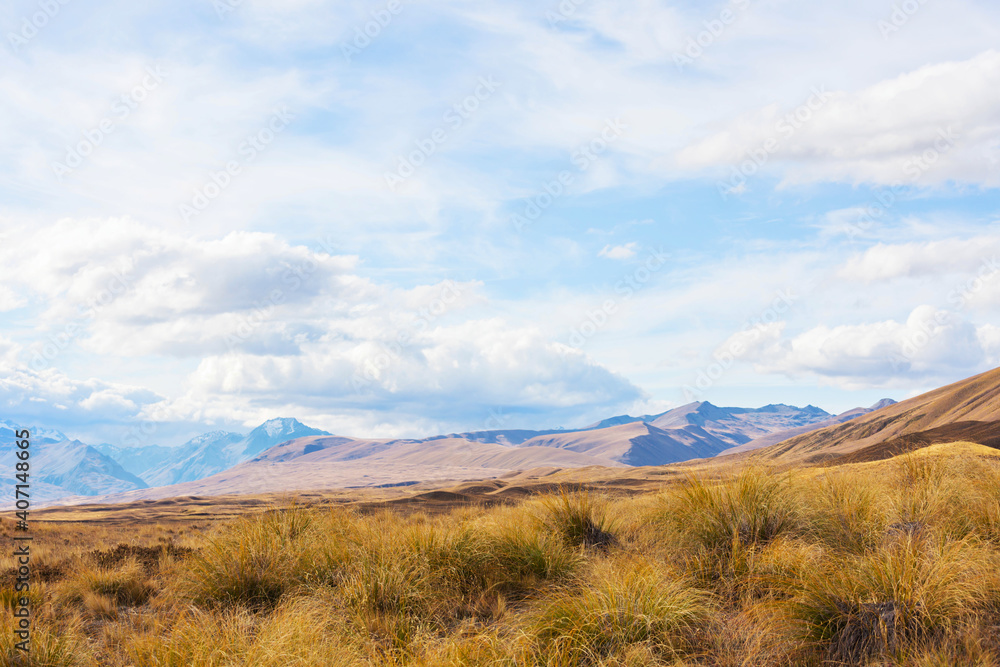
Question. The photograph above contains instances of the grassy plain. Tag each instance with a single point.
(892, 562)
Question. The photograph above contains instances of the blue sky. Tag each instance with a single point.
(483, 215)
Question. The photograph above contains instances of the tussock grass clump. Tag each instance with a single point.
(306, 632)
(847, 512)
(253, 562)
(100, 606)
(102, 590)
(407, 581)
(923, 495)
(52, 644)
(982, 507)
(628, 605)
(10, 597)
(970, 646)
(880, 604)
(579, 518)
(721, 528)
(751, 509)
(522, 555)
(382, 584)
(195, 638)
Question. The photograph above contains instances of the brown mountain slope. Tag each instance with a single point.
(636, 444)
(781, 436)
(974, 400)
(983, 433)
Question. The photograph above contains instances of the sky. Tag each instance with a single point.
(398, 218)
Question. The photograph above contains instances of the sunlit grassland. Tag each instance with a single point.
(887, 563)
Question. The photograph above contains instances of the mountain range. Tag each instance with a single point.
(62, 467)
(284, 454)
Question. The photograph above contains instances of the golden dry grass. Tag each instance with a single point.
(887, 563)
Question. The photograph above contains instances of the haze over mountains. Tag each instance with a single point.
(62, 467)
(206, 454)
(284, 454)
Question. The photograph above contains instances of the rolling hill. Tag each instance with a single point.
(968, 410)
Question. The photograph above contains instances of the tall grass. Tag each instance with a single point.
(254, 562)
(751, 509)
(628, 605)
(53, 644)
(885, 563)
(580, 518)
(847, 513)
(909, 592)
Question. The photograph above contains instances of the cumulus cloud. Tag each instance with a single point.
(978, 255)
(446, 374)
(929, 345)
(128, 288)
(281, 325)
(56, 400)
(924, 127)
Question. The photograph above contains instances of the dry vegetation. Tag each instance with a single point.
(888, 563)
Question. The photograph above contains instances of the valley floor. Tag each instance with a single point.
(891, 562)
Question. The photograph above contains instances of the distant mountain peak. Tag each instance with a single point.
(212, 436)
(884, 403)
(280, 425)
(271, 433)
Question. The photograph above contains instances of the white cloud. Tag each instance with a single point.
(977, 255)
(626, 251)
(989, 338)
(133, 289)
(444, 374)
(930, 344)
(754, 342)
(283, 325)
(925, 127)
(55, 400)
(9, 300)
